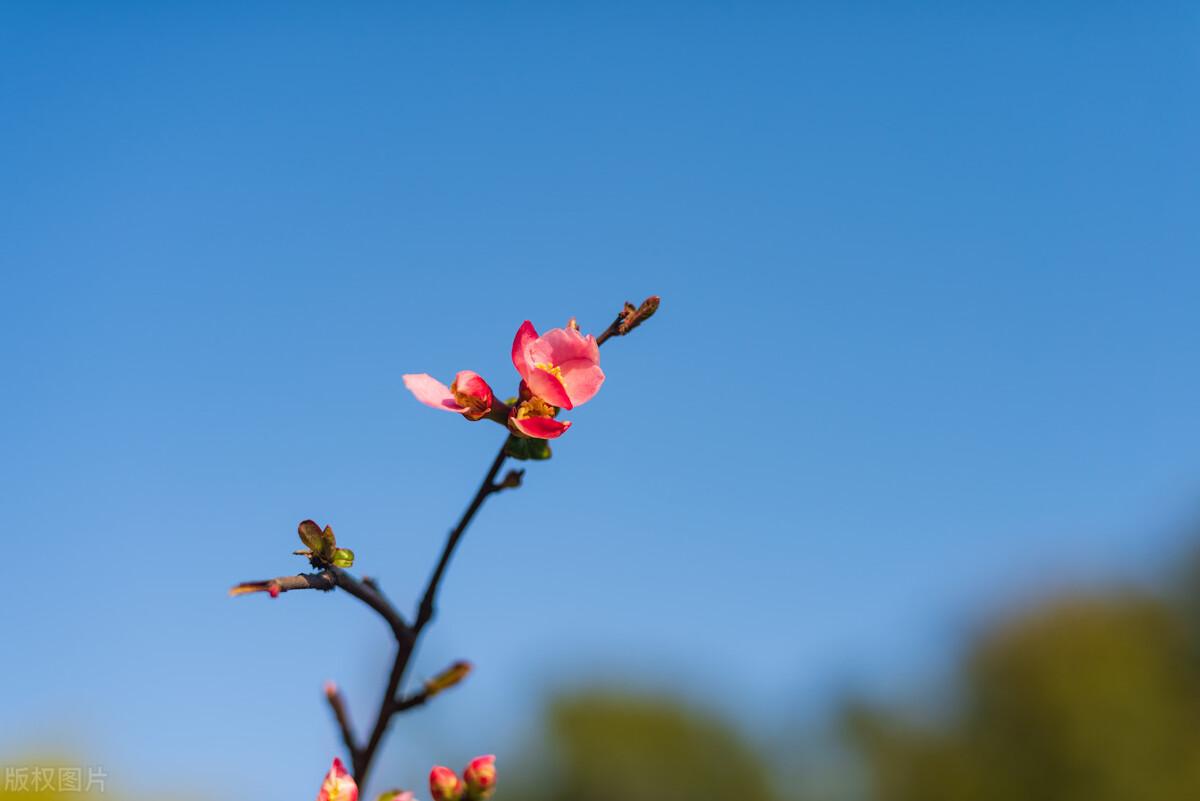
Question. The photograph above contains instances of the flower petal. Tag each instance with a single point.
(432, 392)
(540, 427)
(526, 335)
(549, 387)
(582, 379)
(560, 345)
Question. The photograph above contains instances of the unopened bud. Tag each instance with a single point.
(480, 777)
(338, 785)
(448, 678)
(444, 784)
(633, 317)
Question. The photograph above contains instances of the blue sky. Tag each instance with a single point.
(928, 344)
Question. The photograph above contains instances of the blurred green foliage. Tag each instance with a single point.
(1089, 696)
(1085, 698)
(601, 746)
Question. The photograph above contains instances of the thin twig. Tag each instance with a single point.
(324, 581)
(486, 488)
(342, 715)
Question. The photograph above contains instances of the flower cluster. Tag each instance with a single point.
(559, 370)
(478, 782)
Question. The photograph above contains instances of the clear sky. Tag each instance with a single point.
(928, 343)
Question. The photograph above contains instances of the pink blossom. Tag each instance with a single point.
(469, 395)
(534, 417)
(561, 366)
(444, 784)
(338, 785)
(480, 777)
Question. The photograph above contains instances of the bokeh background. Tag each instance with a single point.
(894, 500)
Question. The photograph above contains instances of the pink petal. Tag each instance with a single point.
(548, 387)
(526, 335)
(582, 379)
(432, 392)
(560, 345)
(540, 427)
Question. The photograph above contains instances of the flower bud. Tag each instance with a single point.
(480, 777)
(448, 678)
(444, 784)
(473, 394)
(338, 785)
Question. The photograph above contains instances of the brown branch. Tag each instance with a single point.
(324, 581)
(338, 704)
(486, 488)
(368, 592)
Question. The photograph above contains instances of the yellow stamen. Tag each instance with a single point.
(553, 369)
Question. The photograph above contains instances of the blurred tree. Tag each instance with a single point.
(601, 746)
(1091, 698)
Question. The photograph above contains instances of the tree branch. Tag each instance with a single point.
(486, 488)
(338, 704)
(406, 635)
(324, 581)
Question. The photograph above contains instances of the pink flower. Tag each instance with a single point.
(534, 417)
(444, 784)
(480, 777)
(338, 785)
(469, 395)
(562, 366)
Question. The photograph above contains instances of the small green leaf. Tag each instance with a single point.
(328, 543)
(342, 557)
(310, 535)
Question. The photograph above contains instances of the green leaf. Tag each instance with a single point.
(328, 543)
(310, 535)
(343, 557)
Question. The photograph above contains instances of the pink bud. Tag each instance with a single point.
(480, 777)
(338, 785)
(444, 784)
